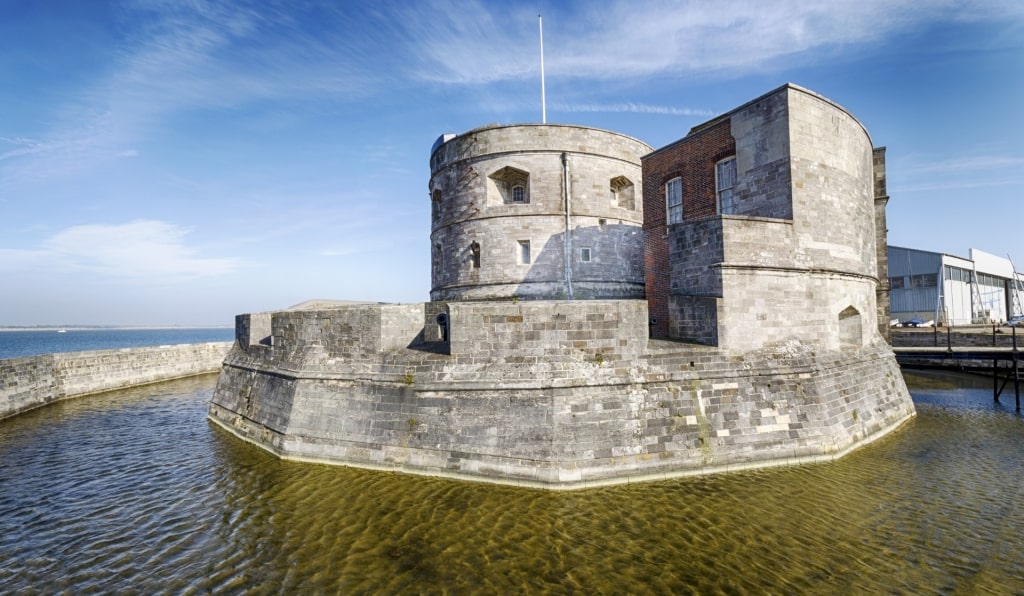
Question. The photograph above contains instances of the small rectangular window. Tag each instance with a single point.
(674, 200)
(585, 255)
(524, 252)
(518, 194)
(923, 280)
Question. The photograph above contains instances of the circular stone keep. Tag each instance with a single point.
(536, 212)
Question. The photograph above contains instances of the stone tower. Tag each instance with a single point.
(762, 227)
(536, 212)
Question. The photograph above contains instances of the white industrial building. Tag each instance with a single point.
(981, 289)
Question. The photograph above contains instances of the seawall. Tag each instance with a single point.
(33, 381)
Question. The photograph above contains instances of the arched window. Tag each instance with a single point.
(850, 333)
(474, 255)
(519, 194)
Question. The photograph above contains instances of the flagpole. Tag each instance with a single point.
(543, 100)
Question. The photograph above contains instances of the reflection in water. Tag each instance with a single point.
(136, 491)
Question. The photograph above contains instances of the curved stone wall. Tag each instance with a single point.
(499, 224)
(554, 394)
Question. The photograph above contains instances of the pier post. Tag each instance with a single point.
(1016, 369)
(995, 380)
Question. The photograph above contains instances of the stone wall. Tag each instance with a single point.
(478, 231)
(537, 331)
(800, 247)
(881, 243)
(833, 185)
(34, 381)
(562, 395)
(809, 307)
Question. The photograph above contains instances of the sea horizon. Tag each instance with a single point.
(102, 327)
(18, 342)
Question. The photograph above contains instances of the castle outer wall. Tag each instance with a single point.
(553, 394)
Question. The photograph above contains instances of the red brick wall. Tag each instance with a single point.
(693, 158)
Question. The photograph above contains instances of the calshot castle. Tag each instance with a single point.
(602, 312)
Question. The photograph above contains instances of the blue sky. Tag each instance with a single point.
(173, 162)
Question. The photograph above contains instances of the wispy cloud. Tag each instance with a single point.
(921, 174)
(632, 108)
(959, 184)
(177, 57)
(976, 163)
(476, 44)
(149, 250)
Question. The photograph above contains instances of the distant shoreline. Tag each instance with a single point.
(113, 328)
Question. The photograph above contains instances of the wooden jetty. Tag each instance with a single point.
(1005, 359)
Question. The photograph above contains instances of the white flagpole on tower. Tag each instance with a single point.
(543, 100)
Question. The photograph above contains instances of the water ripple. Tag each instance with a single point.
(136, 492)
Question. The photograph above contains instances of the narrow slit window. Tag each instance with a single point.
(438, 261)
(474, 255)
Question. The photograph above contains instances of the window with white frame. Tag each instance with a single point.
(725, 180)
(674, 200)
(524, 252)
(585, 255)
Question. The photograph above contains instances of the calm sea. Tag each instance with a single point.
(135, 492)
(15, 344)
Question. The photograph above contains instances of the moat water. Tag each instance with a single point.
(134, 491)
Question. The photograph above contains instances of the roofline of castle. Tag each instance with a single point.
(701, 128)
(438, 145)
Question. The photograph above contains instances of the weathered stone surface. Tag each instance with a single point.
(555, 394)
(798, 257)
(477, 228)
(33, 381)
